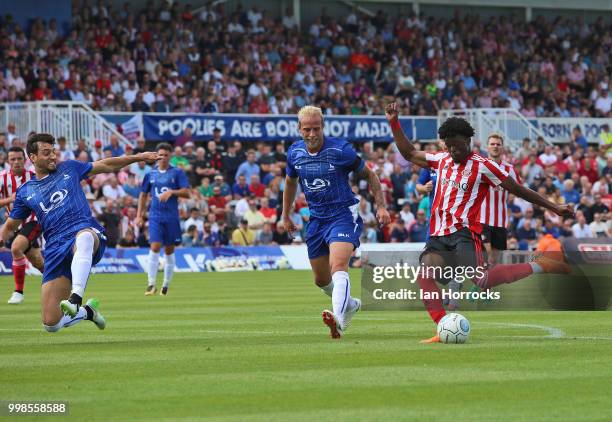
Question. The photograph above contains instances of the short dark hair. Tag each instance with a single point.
(33, 140)
(165, 146)
(455, 126)
(17, 149)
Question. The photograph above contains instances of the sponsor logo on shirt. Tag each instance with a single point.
(56, 201)
(463, 186)
(316, 184)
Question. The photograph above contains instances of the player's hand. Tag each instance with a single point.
(289, 226)
(383, 216)
(149, 157)
(392, 111)
(165, 196)
(139, 221)
(429, 186)
(565, 211)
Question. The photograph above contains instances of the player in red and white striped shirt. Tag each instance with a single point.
(25, 243)
(494, 208)
(464, 178)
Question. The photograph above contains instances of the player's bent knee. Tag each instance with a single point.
(85, 240)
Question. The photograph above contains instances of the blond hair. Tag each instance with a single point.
(310, 111)
(496, 135)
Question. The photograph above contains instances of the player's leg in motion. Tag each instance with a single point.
(156, 237)
(18, 248)
(431, 294)
(344, 306)
(53, 319)
(152, 268)
(168, 269)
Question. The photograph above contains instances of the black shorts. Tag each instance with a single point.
(496, 236)
(462, 248)
(32, 231)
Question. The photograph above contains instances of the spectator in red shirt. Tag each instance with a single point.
(217, 203)
(268, 213)
(587, 169)
(256, 187)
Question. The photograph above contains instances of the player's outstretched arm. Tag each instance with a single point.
(142, 203)
(376, 189)
(291, 184)
(7, 201)
(511, 186)
(9, 229)
(408, 151)
(113, 164)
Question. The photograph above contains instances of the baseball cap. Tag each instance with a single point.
(189, 144)
(98, 143)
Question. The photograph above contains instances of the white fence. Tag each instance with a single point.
(72, 120)
(509, 122)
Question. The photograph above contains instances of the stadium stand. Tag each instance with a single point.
(167, 58)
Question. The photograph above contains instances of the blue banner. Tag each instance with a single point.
(168, 127)
(223, 259)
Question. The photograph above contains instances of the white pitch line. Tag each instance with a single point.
(552, 331)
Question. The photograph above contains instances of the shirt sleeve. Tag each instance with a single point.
(515, 176)
(290, 169)
(433, 160)
(82, 169)
(182, 180)
(492, 172)
(146, 184)
(20, 210)
(424, 176)
(349, 159)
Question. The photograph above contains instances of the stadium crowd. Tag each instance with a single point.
(236, 192)
(166, 58)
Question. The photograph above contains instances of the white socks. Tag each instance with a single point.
(153, 265)
(169, 269)
(67, 321)
(341, 294)
(328, 289)
(81, 262)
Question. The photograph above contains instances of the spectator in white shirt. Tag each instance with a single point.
(580, 229)
(112, 190)
(548, 158)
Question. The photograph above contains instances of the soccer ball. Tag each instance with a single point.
(454, 328)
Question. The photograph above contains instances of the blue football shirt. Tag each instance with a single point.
(158, 182)
(58, 201)
(324, 176)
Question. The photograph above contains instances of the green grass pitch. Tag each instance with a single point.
(251, 346)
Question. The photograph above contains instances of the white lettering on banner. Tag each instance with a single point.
(560, 129)
(336, 128)
(199, 127)
(246, 129)
(372, 129)
(282, 128)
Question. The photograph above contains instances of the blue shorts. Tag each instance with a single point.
(165, 232)
(58, 260)
(320, 233)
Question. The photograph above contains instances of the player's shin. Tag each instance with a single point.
(169, 269)
(19, 270)
(341, 295)
(153, 266)
(81, 263)
(432, 298)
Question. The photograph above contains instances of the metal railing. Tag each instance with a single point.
(72, 120)
(506, 121)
